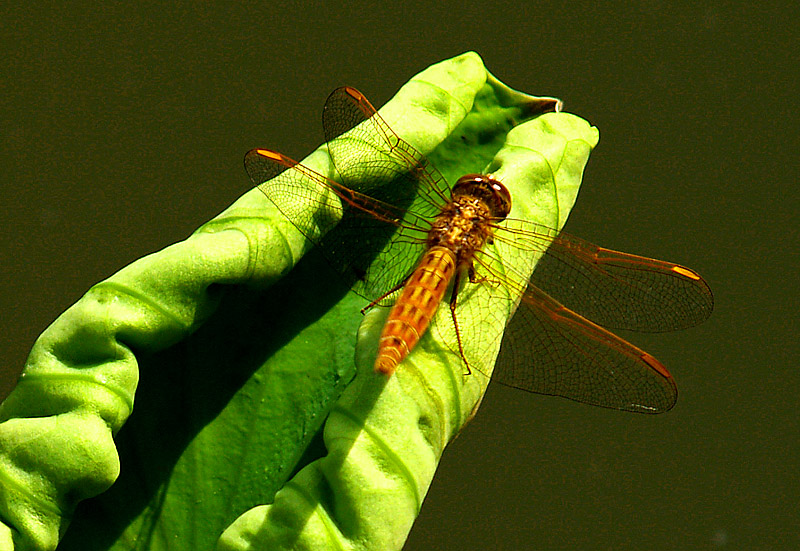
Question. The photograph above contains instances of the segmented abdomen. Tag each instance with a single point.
(414, 309)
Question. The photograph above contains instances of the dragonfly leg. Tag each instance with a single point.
(474, 278)
(453, 302)
(384, 295)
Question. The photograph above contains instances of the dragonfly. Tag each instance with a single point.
(392, 224)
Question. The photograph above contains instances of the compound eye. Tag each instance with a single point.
(502, 199)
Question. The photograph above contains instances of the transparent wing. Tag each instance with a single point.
(613, 289)
(549, 349)
(366, 150)
(349, 228)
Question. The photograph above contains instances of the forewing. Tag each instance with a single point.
(368, 154)
(349, 228)
(613, 289)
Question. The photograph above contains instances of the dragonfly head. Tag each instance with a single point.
(487, 189)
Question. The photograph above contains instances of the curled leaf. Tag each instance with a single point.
(223, 356)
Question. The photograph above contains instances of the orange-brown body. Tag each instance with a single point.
(415, 307)
(457, 233)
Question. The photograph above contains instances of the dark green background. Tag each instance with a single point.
(124, 128)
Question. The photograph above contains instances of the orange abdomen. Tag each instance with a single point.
(414, 309)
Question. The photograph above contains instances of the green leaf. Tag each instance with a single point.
(239, 347)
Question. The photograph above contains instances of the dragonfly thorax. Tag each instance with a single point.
(465, 223)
